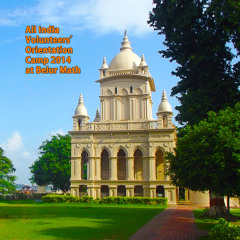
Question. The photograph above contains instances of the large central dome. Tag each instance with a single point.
(126, 59)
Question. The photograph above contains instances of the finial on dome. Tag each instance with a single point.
(164, 95)
(125, 43)
(80, 101)
(97, 116)
(164, 106)
(143, 62)
(104, 64)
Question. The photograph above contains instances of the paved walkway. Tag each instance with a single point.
(174, 223)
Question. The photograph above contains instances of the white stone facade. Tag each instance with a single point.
(121, 153)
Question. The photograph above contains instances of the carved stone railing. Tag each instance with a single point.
(116, 126)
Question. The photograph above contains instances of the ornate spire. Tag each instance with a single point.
(164, 96)
(97, 116)
(104, 64)
(143, 62)
(80, 101)
(125, 43)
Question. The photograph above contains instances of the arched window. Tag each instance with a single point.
(85, 165)
(138, 165)
(104, 165)
(115, 90)
(121, 165)
(131, 89)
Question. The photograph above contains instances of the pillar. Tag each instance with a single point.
(98, 168)
(130, 191)
(145, 168)
(152, 169)
(152, 192)
(113, 168)
(130, 168)
(79, 169)
(97, 192)
(113, 191)
(91, 168)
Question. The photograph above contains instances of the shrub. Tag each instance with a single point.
(86, 199)
(21, 196)
(134, 200)
(60, 199)
(106, 200)
(223, 230)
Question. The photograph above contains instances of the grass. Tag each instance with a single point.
(206, 223)
(29, 220)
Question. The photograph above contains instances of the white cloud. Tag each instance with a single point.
(100, 16)
(26, 155)
(14, 143)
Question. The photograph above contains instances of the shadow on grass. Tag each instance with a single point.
(81, 221)
(83, 233)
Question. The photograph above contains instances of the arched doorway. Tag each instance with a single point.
(104, 165)
(121, 165)
(138, 191)
(85, 167)
(160, 191)
(82, 190)
(138, 165)
(121, 191)
(104, 191)
(159, 165)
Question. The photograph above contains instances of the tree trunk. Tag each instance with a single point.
(217, 206)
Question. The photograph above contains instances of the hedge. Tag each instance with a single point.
(223, 230)
(105, 200)
(21, 196)
(134, 200)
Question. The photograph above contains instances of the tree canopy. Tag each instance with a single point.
(207, 157)
(6, 170)
(203, 37)
(53, 165)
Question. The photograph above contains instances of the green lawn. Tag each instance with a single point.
(205, 223)
(72, 221)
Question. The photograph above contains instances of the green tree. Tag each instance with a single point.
(207, 156)
(198, 34)
(6, 178)
(53, 165)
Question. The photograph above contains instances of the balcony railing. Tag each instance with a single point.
(103, 126)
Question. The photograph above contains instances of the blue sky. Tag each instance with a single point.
(32, 107)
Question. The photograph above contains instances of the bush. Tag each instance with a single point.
(223, 230)
(21, 196)
(134, 200)
(86, 199)
(60, 199)
(53, 198)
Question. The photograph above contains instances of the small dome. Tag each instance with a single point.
(81, 109)
(126, 59)
(164, 106)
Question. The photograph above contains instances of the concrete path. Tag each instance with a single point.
(174, 223)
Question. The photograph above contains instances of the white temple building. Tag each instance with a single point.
(122, 152)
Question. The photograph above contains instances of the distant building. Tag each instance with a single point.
(122, 152)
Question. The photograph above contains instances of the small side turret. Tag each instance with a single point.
(80, 117)
(104, 69)
(164, 113)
